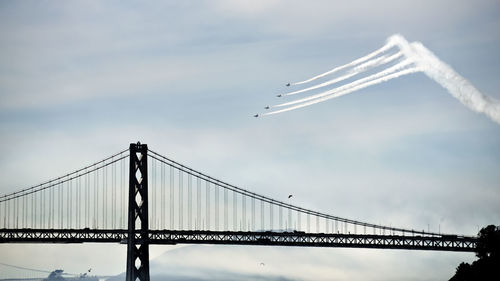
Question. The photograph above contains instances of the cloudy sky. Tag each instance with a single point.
(81, 80)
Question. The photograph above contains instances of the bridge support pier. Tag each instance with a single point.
(138, 240)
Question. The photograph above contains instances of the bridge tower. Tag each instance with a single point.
(138, 240)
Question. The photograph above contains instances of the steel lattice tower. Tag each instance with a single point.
(138, 241)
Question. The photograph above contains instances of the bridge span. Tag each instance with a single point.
(139, 197)
(252, 238)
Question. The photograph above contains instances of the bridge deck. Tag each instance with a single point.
(268, 238)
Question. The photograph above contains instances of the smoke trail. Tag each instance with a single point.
(456, 85)
(424, 61)
(390, 43)
(377, 75)
(332, 94)
(357, 70)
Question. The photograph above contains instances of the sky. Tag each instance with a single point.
(81, 80)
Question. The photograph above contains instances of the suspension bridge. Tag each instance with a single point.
(139, 197)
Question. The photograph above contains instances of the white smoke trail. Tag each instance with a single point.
(330, 94)
(357, 70)
(390, 43)
(456, 85)
(396, 67)
(424, 60)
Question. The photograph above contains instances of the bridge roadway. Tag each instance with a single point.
(267, 238)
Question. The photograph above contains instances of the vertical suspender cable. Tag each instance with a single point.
(59, 192)
(123, 208)
(5, 214)
(235, 212)
(299, 224)
(46, 207)
(271, 216)
(52, 190)
(7, 211)
(181, 201)
(172, 215)
(113, 195)
(60, 205)
(253, 213)
(96, 204)
(198, 202)
(317, 224)
(35, 211)
(7, 207)
(68, 203)
(21, 211)
(42, 211)
(163, 198)
(104, 197)
(190, 213)
(308, 223)
(23, 225)
(244, 211)
(217, 212)
(207, 205)
(78, 201)
(152, 198)
(16, 209)
(86, 201)
(115, 200)
(74, 206)
(290, 225)
(225, 210)
(280, 219)
(261, 215)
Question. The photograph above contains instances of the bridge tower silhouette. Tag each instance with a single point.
(138, 240)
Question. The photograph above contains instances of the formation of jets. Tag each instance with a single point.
(279, 96)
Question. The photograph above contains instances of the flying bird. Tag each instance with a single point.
(267, 107)
(288, 84)
(290, 196)
(256, 115)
